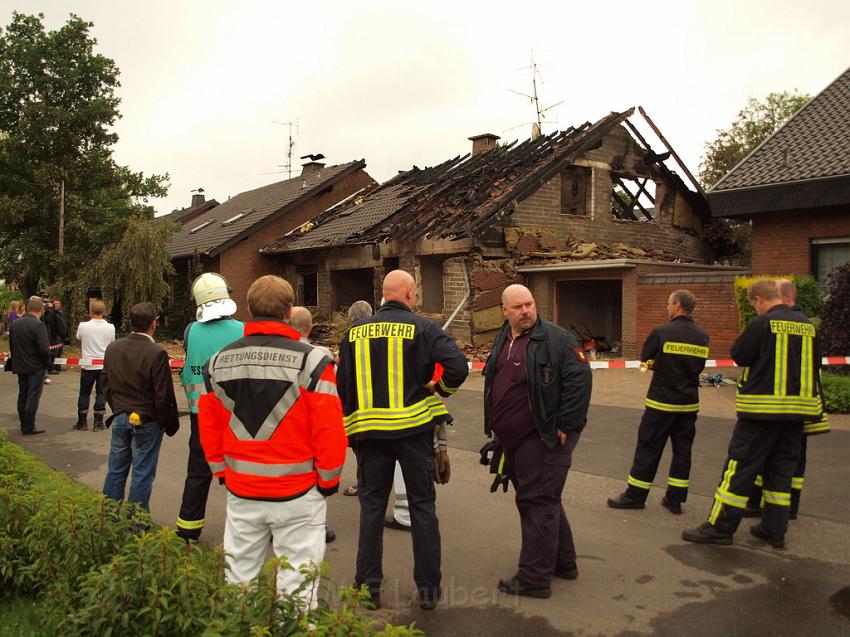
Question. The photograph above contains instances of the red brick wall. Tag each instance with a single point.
(242, 264)
(782, 240)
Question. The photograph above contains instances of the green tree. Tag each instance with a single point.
(754, 123)
(57, 110)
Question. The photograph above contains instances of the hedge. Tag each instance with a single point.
(836, 391)
(808, 296)
(98, 567)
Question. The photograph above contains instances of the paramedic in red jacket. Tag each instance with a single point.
(271, 426)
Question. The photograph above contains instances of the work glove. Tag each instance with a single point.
(492, 454)
(442, 466)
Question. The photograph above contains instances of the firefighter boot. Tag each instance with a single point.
(795, 503)
(82, 421)
(98, 421)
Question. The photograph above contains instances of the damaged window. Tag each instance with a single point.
(632, 198)
(307, 285)
(574, 181)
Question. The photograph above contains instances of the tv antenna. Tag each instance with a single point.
(291, 145)
(534, 98)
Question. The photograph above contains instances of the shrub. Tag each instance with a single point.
(835, 332)
(836, 392)
(808, 296)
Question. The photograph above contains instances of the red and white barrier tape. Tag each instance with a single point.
(177, 363)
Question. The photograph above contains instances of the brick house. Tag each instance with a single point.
(586, 217)
(795, 189)
(227, 238)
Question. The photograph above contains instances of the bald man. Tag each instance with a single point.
(386, 366)
(537, 386)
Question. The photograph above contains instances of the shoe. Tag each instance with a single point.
(47, 381)
(428, 598)
(757, 530)
(53, 372)
(82, 422)
(750, 512)
(33, 432)
(392, 523)
(330, 534)
(623, 501)
(98, 422)
(570, 571)
(352, 490)
(513, 586)
(705, 533)
(374, 601)
(674, 507)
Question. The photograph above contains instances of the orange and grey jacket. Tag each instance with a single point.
(270, 420)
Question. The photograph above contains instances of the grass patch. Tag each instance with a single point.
(20, 618)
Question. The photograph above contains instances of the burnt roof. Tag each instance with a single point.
(216, 230)
(459, 198)
(813, 145)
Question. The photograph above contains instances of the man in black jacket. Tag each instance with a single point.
(57, 332)
(676, 352)
(536, 395)
(28, 345)
(138, 387)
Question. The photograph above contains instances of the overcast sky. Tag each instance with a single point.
(400, 83)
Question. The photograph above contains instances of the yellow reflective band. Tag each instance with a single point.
(446, 388)
(640, 484)
(502, 464)
(780, 365)
(363, 372)
(806, 368)
(382, 419)
(792, 327)
(189, 525)
(777, 498)
(685, 349)
(759, 482)
(820, 427)
(679, 409)
(732, 499)
(678, 482)
(381, 330)
(797, 483)
(717, 508)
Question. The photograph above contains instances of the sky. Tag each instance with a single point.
(206, 85)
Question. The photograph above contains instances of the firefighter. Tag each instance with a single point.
(212, 330)
(676, 352)
(788, 294)
(778, 392)
(386, 367)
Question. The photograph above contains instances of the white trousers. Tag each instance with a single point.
(401, 509)
(297, 529)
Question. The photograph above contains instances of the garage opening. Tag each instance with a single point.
(349, 286)
(593, 312)
(431, 277)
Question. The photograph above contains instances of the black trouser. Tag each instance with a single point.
(91, 378)
(54, 354)
(771, 448)
(797, 479)
(539, 476)
(375, 466)
(196, 489)
(29, 395)
(655, 428)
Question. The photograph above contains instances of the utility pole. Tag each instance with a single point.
(61, 218)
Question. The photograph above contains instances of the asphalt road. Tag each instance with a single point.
(636, 576)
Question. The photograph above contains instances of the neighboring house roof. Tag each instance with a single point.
(804, 163)
(216, 230)
(178, 216)
(459, 198)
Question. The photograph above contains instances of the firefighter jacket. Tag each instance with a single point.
(559, 380)
(271, 422)
(384, 362)
(781, 375)
(678, 350)
(202, 340)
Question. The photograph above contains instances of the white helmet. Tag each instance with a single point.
(212, 296)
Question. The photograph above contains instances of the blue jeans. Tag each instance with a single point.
(89, 378)
(29, 395)
(138, 450)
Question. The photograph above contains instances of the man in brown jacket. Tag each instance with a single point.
(138, 387)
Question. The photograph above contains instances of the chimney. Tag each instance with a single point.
(197, 197)
(483, 143)
(311, 167)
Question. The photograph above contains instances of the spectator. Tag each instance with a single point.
(57, 332)
(29, 348)
(138, 387)
(14, 313)
(94, 335)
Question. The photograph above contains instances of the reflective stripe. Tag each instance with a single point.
(806, 368)
(189, 525)
(446, 388)
(759, 481)
(640, 484)
(719, 495)
(382, 419)
(797, 483)
(685, 349)
(820, 427)
(679, 409)
(329, 474)
(395, 372)
(777, 497)
(363, 358)
(216, 467)
(678, 482)
(501, 470)
(326, 387)
(780, 365)
(269, 470)
(774, 404)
